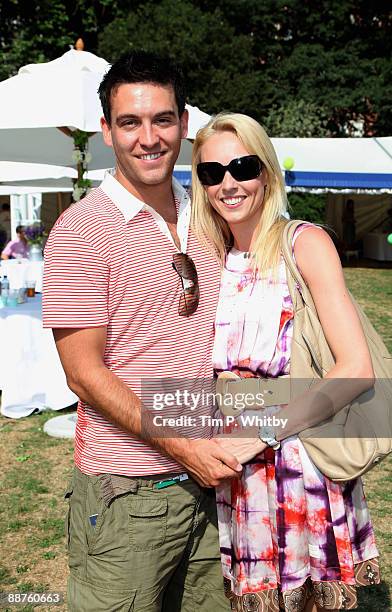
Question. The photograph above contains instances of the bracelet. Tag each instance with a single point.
(267, 435)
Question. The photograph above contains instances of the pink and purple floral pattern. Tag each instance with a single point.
(283, 523)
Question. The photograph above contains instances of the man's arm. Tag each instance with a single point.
(81, 352)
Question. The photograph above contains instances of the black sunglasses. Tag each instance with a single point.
(186, 269)
(241, 169)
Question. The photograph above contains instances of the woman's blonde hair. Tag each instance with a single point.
(209, 225)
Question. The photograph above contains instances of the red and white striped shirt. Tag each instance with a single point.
(108, 262)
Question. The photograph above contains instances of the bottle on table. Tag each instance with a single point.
(5, 289)
(5, 286)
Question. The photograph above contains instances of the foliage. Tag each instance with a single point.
(269, 59)
(307, 206)
(80, 139)
(82, 157)
(219, 64)
(298, 119)
(41, 31)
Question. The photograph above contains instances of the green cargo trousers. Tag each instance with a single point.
(135, 548)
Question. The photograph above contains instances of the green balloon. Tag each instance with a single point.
(389, 238)
(288, 163)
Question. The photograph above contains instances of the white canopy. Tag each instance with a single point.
(197, 120)
(361, 155)
(63, 93)
(17, 171)
(17, 178)
(49, 146)
(51, 95)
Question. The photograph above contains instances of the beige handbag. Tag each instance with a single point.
(360, 435)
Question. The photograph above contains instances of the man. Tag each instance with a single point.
(17, 248)
(122, 299)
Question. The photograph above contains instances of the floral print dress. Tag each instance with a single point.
(287, 533)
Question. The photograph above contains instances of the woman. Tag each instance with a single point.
(291, 539)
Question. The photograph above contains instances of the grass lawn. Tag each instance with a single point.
(35, 470)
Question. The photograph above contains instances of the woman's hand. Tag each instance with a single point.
(244, 445)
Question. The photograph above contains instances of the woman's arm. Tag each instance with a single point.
(320, 267)
(352, 373)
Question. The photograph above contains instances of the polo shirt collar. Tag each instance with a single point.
(130, 206)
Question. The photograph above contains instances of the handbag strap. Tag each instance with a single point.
(298, 289)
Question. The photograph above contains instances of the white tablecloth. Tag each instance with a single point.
(376, 246)
(31, 376)
(19, 271)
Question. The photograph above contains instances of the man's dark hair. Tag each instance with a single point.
(142, 67)
(19, 228)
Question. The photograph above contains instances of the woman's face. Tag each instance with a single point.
(238, 202)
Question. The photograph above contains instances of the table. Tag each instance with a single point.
(31, 376)
(19, 271)
(375, 246)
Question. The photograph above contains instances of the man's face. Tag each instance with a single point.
(145, 132)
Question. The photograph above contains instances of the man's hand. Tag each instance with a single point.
(209, 463)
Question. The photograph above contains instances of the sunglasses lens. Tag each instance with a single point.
(245, 168)
(189, 302)
(186, 269)
(210, 173)
(241, 169)
(184, 266)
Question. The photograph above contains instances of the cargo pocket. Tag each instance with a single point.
(83, 596)
(67, 497)
(95, 511)
(147, 521)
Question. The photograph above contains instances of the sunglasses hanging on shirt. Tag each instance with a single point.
(241, 169)
(186, 270)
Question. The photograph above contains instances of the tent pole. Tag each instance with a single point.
(59, 203)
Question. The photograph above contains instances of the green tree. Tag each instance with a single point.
(220, 66)
(297, 119)
(43, 30)
(307, 206)
(334, 54)
(333, 59)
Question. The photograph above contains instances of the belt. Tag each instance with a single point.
(113, 485)
(256, 393)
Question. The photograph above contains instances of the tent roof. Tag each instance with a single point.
(357, 163)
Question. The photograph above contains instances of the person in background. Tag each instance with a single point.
(291, 539)
(17, 248)
(5, 225)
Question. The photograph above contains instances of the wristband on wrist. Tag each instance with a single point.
(267, 435)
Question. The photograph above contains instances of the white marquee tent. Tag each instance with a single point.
(44, 102)
(337, 163)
